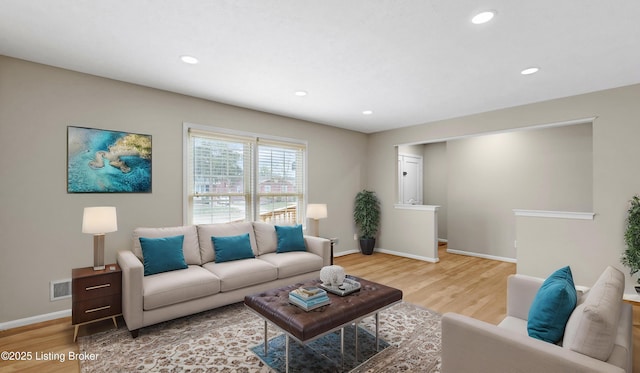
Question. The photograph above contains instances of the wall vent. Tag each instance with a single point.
(60, 289)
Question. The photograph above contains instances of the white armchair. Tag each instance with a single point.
(470, 345)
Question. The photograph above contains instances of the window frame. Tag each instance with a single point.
(254, 192)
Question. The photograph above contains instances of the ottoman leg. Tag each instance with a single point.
(342, 348)
(286, 353)
(377, 327)
(356, 334)
(266, 342)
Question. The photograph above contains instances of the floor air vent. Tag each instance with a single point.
(60, 289)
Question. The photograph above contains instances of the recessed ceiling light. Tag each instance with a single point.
(367, 112)
(529, 71)
(189, 59)
(301, 93)
(483, 17)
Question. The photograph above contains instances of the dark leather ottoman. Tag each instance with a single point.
(274, 307)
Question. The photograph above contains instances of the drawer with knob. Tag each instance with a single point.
(96, 295)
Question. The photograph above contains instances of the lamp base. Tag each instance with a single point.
(98, 252)
(315, 224)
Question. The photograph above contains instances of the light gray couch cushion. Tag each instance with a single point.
(294, 263)
(242, 273)
(190, 246)
(206, 231)
(592, 327)
(266, 237)
(173, 287)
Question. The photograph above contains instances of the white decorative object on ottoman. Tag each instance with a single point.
(332, 275)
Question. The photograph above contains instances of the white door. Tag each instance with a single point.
(410, 179)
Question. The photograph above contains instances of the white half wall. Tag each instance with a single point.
(546, 244)
(412, 232)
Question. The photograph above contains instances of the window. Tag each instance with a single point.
(242, 177)
(280, 183)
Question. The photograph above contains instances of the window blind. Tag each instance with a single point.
(244, 178)
(280, 189)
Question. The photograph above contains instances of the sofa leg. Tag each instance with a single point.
(134, 333)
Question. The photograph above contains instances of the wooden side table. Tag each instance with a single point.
(96, 295)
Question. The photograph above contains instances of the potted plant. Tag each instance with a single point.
(631, 255)
(366, 215)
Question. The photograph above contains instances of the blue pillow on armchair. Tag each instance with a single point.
(552, 306)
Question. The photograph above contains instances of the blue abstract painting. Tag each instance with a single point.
(103, 161)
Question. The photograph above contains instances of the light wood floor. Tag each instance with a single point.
(470, 286)
(463, 284)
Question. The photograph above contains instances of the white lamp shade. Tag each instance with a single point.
(317, 211)
(99, 220)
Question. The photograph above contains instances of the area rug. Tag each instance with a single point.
(221, 340)
(323, 354)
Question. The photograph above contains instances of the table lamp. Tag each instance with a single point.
(315, 212)
(98, 221)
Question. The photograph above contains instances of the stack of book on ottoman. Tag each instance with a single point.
(309, 297)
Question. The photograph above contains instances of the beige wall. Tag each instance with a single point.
(435, 182)
(40, 224)
(545, 243)
(489, 176)
(615, 177)
(481, 179)
(411, 149)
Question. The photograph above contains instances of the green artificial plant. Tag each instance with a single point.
(366, 213)
(631, 255)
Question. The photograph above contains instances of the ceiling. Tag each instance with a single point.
(410, 62)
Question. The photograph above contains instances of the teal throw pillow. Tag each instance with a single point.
(290, 238)
(552, 306)
(162, 254)
(232, 248)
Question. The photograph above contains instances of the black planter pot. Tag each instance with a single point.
(367, 245)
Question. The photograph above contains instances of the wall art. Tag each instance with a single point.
(104, 161)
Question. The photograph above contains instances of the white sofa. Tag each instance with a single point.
(600, 325)
(205, 284)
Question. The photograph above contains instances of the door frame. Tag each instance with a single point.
(400, 177)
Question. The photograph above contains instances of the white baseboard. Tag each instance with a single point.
(35, 319)
(443, 240)
(347, 252)
(484, 256)
(410, 256)
(390, 252)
